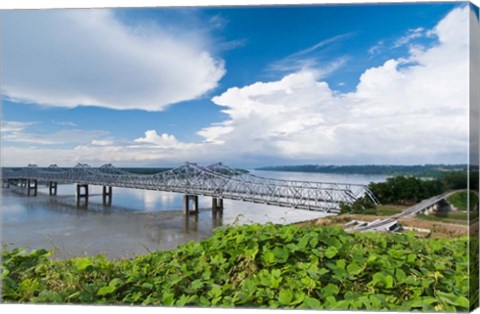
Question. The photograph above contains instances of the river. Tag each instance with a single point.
(138, 221)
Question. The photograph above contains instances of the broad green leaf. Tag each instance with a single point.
(400, 275)
(106, 290)
(330, 290)
(268, 257)
(388, 281)
(276, 273)
(310, 303)
(281, 254)
(341, 263)
(82, 263)
(168, 298)
(285, 297)
(411, 258)
(331, 252)
(463, 302)
(353, 269)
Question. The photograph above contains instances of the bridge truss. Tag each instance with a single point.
(216, 180)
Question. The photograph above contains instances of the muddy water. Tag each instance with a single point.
(137, 222)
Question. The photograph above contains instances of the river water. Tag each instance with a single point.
(138, 221)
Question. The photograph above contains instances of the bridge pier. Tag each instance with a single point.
(107, 195)
(23, 183)
(32, 185)
(52, 188)
(5, 184)
(81, 195)
(186, 204)
(217, 205)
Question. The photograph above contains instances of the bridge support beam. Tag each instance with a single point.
(186, 204)
(52, 188)
(217, 205)
(23, 183)
(107, 195)
(82, 195)
(32, 187)
(5, 184)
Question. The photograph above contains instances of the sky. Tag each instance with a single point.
(248, 86)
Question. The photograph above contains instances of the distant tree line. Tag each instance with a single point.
(432, 170)
(146, 170)
(408, 190)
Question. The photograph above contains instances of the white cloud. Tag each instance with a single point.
(17, 132)
(8, 127)
(65, 123)
(310, 59)
(412, 34)
(68, 58)
(376, 49)
(408, 110)
(162, 141)
(102, 142)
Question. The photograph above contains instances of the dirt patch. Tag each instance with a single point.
(439, 229)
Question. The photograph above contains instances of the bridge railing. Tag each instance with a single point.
(211, 181)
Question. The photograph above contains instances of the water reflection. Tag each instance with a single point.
(137, 221)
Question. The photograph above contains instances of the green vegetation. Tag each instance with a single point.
(406, 190)
(460, 199)
(446, 216)
(414, 170)
(258, 266)
(365, 206)
(385, 210)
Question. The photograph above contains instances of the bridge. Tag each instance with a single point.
(217, 181)
(425, 206)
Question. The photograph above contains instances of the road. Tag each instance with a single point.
(411, 211)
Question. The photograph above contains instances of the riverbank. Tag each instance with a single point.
(258, 266)
(438, 229)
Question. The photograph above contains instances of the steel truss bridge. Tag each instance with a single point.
(217, 181)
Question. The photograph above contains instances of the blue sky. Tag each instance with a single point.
(249, 86)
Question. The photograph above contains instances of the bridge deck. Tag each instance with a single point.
(216, 180)
(411, 211)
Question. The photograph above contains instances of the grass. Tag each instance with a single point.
(388, 210)
(459, 200)
(457, 217)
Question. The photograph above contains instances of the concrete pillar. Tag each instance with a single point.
(52, 188)
(32, 185)
(195, 203)
(107, 195)
(5, 184)
(186, 209)
(217, 207)
(23, 183)
(82, 195)
(186, 204)
(214, 206)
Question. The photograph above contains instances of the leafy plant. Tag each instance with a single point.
(258, 266)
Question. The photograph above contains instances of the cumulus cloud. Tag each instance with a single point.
(161, 141)
(68, 58)
(408, 110)
(413, 109)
